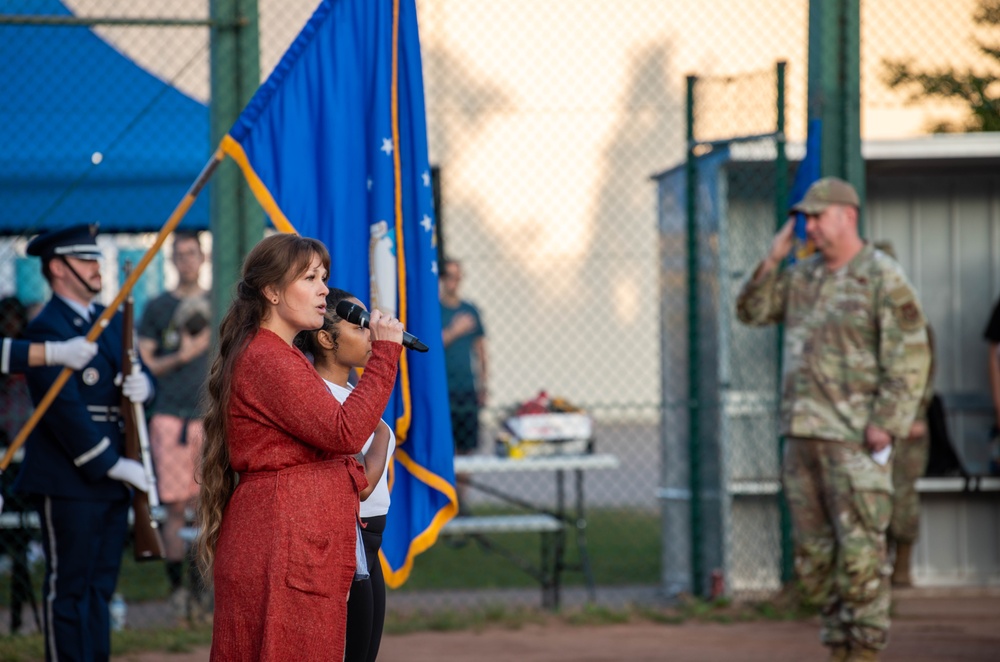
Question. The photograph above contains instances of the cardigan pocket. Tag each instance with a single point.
(318, 528)
(313, 565)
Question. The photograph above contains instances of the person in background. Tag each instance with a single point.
(465, 363)
(15, 410)
(174, 337)
(855, 366)
(338, 349)
(17, 355)
(278, 507)
(992, 337)
(73, 469)
(909, 462)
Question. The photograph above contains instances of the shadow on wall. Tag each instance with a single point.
(460, 103)
(623, 256)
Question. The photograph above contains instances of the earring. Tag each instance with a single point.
(274, 301)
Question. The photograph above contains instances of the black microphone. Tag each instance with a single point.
(355, 314)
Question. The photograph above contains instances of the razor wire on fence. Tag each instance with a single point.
(557, 131)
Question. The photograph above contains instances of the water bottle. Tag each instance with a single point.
(118, 610)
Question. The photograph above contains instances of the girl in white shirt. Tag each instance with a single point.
(338, 348)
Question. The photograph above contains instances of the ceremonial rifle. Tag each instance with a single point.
(148, 545)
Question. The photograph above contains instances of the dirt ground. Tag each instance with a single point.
(928, 625)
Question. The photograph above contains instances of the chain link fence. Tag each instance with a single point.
(720, 471)
(558, 134)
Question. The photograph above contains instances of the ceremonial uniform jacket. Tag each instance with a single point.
(855, 345)
(79, 437)
(13, 355)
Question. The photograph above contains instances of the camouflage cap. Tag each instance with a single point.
(825, 192)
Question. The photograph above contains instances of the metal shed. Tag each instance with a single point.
(937, 199)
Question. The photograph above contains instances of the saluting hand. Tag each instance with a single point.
(781, 246)
(384, 327)
(783, 242)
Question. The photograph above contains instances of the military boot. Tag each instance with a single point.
(840, 653)
(901, 566)
(859, 654)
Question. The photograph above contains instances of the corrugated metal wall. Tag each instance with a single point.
(944, 223)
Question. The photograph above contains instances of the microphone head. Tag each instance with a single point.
(352, 313)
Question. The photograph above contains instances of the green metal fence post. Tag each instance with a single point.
(835, 87)
(781, 158)
(780, 217)
(236, 219)
(693, 273)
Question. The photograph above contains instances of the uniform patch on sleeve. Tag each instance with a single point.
(905, 308)
(909, 317)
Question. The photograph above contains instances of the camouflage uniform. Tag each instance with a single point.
(855, 354)
(909, 462)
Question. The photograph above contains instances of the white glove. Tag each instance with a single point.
(74, 353)
(137, 387)
(131, 472)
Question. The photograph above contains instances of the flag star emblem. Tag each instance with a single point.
(426, 176)
(369, 182)
(387, 146)
(434, 267)
(427, 223)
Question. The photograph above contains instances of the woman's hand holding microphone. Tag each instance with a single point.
(384, 327)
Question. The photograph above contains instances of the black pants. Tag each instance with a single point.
(366, 604)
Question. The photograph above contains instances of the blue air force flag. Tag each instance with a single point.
(334, 146)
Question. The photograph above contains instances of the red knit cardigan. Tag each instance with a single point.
(285, 556)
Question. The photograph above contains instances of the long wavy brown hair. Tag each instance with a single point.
(276, 261)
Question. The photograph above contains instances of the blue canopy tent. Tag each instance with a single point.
(86, 135)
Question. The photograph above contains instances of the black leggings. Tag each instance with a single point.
(366, 603)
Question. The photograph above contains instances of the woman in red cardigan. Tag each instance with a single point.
(279, 494)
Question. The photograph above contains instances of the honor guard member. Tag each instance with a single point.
(73, 467)
(16, 356)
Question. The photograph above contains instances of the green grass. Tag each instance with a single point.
(30, 648)
(138, 582)
(142, 582)
(623, 546)
(624, 549)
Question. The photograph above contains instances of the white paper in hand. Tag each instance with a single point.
(360, 558)
(882, 456)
